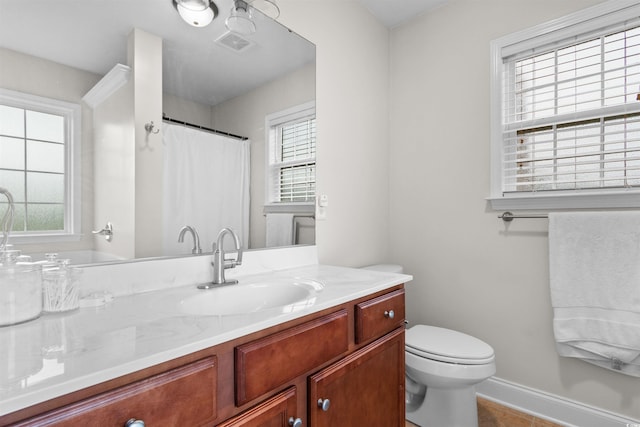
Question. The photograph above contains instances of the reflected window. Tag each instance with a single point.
(36, 156)
(292, 156)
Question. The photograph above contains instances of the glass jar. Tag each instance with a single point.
(59, 285)
(20, 289)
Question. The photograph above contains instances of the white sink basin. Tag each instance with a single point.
(285, 295)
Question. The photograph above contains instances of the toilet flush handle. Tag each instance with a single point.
(389, 314)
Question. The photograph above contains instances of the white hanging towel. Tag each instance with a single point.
(279, 229)
(594, 265)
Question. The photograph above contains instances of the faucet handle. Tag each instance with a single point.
(238, 260)
(229, 262)
(232, 262)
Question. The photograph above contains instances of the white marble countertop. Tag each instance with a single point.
(60, 353)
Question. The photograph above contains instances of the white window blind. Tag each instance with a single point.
(297, 166)
(292, 156)
(572, 116)
(566, 110)
(36, 162)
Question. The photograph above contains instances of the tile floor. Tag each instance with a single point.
(490, 414)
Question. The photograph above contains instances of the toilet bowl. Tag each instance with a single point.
(442, 368)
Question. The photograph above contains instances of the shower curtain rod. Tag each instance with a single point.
(219, 132)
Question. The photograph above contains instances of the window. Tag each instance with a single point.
(291, 164)
(566, 112)
(38, 164)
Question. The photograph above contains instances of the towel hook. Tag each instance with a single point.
(107, 232)
(151, 128)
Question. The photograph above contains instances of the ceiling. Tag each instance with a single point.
(396, 12)
(91, 35)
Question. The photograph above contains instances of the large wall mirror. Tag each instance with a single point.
(177, 126)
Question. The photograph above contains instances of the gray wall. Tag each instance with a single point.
(352, 78)
(388, 106)
(471, 272)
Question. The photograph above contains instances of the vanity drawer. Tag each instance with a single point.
(379, 316)
(182, 396)
(274, 412)
(265, 364)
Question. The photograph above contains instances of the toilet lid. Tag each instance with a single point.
(447, 345)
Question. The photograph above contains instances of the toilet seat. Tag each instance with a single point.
(446, 345)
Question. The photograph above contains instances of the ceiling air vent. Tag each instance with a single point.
(234, 41)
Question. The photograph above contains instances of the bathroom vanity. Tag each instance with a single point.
(334, 358)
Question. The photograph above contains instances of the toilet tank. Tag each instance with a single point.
(386, 268)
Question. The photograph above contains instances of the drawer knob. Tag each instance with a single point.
(389, 314)
(295, 422)
(324, 404)
(134, 423)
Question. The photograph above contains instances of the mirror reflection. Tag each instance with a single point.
(124, 129)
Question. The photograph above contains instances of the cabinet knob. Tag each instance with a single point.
(134, 423)
(389, 314)
(295, 422)
(324, 404)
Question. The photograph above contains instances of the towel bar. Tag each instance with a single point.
(509, 216)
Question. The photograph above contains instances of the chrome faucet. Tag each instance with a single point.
(219, 263)
(196, 239)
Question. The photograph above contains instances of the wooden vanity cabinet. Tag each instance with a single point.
(365, 387)
(351, 356)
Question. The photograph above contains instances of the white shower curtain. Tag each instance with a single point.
(206, 186)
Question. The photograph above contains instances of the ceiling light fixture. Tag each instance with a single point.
(268, 7)
(198, 13)
(239, 20)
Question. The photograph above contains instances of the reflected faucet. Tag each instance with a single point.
(219, 263)
(196, 239)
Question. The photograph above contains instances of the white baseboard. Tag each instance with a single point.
(549, 407)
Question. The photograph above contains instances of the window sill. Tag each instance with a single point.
(300, 208)
(587, 200)
(43, 238)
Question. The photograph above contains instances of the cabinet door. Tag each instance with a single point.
(363, 389)
(275, 412)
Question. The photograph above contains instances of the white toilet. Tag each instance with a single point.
(442, 368)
